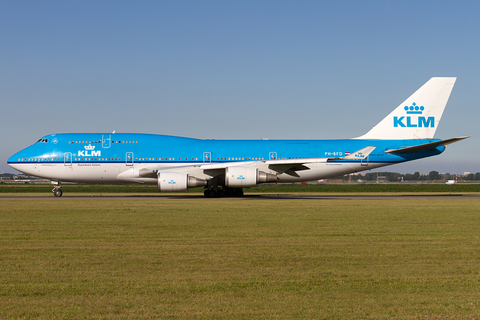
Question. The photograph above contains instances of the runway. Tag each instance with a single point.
(251, 197)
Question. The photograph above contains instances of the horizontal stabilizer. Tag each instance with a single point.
(426, 146)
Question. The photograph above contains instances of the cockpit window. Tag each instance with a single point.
(43, 140)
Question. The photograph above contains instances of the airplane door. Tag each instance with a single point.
(106, 140)
(129, 161)
(273, 156)
(207, 157)
(68, 159)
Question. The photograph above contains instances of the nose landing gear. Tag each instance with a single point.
(57, 191)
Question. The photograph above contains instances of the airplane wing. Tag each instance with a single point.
(291, 167)
(279, 166)
(426, 146)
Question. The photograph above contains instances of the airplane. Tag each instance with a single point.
(225, 167)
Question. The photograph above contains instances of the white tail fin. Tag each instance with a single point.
(418, 116)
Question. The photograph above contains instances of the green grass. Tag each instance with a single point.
(369, 187)
(240, 259)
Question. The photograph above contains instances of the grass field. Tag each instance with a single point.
(240, 259)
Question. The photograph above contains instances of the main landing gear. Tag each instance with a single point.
(225, 192)
(57, 191)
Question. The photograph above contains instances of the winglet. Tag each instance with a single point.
(360, 154)
(357, 155)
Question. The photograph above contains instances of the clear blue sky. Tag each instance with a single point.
(235, 69)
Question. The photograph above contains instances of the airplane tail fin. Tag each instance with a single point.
(418, 116)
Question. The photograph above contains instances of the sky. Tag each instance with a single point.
(236, 69)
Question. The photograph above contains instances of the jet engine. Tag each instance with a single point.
(238, 177)
(174, 181)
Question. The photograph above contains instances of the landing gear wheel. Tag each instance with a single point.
(229, 192)
(57, 192)
(238, 192)
(220, 193)
(210, 193)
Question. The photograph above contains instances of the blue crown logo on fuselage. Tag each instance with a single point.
(414, 109)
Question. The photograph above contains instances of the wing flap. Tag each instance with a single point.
(289, 168)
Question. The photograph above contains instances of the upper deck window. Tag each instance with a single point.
(43, 140)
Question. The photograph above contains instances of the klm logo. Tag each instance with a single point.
(414, 121)
(89, 152)
(240, 177)
(172, 182)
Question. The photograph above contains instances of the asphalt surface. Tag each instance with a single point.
(251, 197)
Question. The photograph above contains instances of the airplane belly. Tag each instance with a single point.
(27, 168)
(44, 170)
(96, 172)
(84, 172)
(327, 170)
(316, 171)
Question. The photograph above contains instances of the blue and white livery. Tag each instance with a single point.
(224, 167)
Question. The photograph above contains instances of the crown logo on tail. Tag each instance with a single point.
(414, 109)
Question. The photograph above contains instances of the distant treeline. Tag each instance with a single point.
(395, 176)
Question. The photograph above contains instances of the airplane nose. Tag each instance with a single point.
(13, 166)
(15, 160)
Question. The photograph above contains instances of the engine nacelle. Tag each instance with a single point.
(239, 177)
(174, 181)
